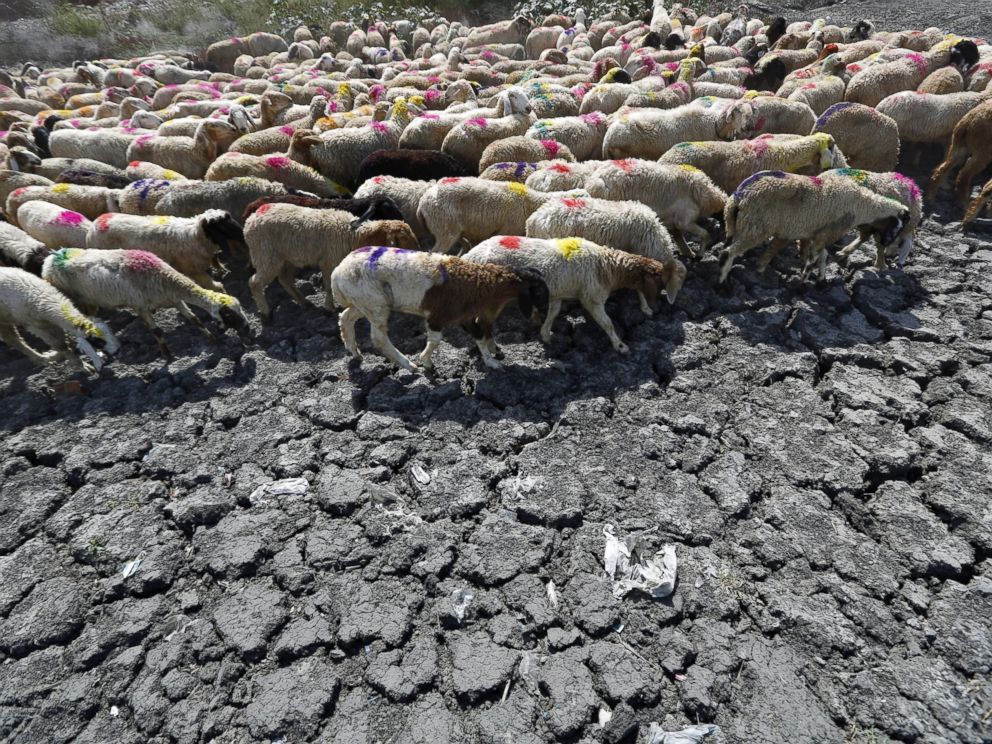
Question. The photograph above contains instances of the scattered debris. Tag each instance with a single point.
(631, 570)
(114, 711)
(67, 388)
(521, 487)
(691, 735)
(287, 487)
(552, 595)
(422, 476)
(180, 628)
(605, 716)
(460, 600)
(131, 566)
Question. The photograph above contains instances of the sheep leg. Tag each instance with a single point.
(684, 248)
(257, 285)
(347, 322)
(10, 336)
(966, 176)
(645, 307)
(486, 343)
(55, 337)
(425, 357)
(111, 344)
(380, 337)
(146, 316)
(597, 311)
(325, 277)
(770, 252)
(700, 232)
(729, 254)
(979, 203)
(443, 243)
(955, 158)
(554, 307)
(851, 247)
(287, 278)
(185, 311)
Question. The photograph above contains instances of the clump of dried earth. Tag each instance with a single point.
(820, 455)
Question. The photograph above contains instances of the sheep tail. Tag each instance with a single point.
(730, 217)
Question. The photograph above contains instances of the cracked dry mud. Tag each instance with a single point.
(820, 455)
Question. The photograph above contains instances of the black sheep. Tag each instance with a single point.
(416, 165)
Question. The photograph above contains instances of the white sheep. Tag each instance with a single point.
(190, 198)
(140, 281)
(573, 268)
(138, 170)
(20, 250)
(817, 211)
(729, 163)
(681, 195)
(190, 156)
(285, 237)
(53, 225)
(90, 201)
(190, 245)
(405, 193)
(583, 134)
(107, 146)
(467, 140)
(29, 302)
(374, 281)
(650, 133)
(277, 168)
(929, 117)
(10, 181)
(868, 139)
(552, 175)
(523, 149)
(474, 209)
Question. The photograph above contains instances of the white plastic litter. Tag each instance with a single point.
(691, 735)
(131, 566)
(524, 668)
(114, 711)
(552, 595)
(521, 487)
(287, 487)
(422, 476)
(605, 716)
(460, 600)
(630, 570)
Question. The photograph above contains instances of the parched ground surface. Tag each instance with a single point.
(820, 456)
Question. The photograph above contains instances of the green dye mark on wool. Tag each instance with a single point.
(63, 256)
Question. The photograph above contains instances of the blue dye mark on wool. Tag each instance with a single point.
(521, 169)
(443, 272)
(377, 254)
(825, 116)
(747, 182)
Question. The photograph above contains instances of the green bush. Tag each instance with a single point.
(72, 21)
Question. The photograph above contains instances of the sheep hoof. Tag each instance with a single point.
(622, 348)
(493, 364)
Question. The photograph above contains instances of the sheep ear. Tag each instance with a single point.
(363, 218)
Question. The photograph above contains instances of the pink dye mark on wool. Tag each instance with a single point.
(379, 180)
(558, 168)
(593, 119)
(625, 165)
(74, 123)
(433, 79)
(816, 180)
(277, 161)
(432, 95)
(809, 86)
(332, 107)
(910, 184)
(759, 146)
(143, 140)
(430, 117)
(103, 221)
(551, 147)
(574, 203)
(68, 218)
(224, 110)
(671, 66)
(141, 261)
(917, 59)
(287, 130)
(477, 122)
(376, 92)
(380, 126)
(450, 180)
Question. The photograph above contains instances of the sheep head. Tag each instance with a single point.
(534, 293)
(220, 228)
(735, 121)
(394, 233)
(512, 101)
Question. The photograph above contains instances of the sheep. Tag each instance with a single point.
(729, 163)
(583, 134)
(945, 80)
(785, 206)
(221, 55)
(189, 245)
(650, 133)
(90, 201)
(928, 117)
(52, 168)
(876, 82)
(89, 178)
(190, 156)
(467, 141)
(338, 154)
(190, 198)
(10, 181)
(403, 192)
(894, 186)
(416, 165)
(504, 32)
(283, 237)
(521, 148)
(31, 303)
(277, 168)
(681, 195)
(774, 115)
(820, 94)
(868, 139)
(970, 150)
(273, 136)
(139, 169)
(375, 280)
(978, 204)
(580, 269)
(142, 282)
(53, 225)
(364, 209)
(517, 172)
(20, 250)
(92, 144)
(473, 209)
(559, 176)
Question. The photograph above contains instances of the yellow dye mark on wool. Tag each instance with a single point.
(569, 247)
(344, 89)
(689, 168)
(169, 175)
(750, 95)
(60, 188)
(517, 188)
(242, 100)
(77, 320)
(217, 297)
(161, 220)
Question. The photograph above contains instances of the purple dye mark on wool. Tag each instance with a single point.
(747, 182)
(376, 256)
(521, 169)
(443, 271)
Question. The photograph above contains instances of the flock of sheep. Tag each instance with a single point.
(563, 159)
